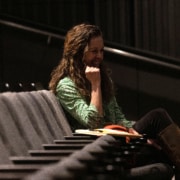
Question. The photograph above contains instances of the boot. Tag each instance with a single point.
(170, 142)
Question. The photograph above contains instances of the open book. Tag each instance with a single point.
(114, 130)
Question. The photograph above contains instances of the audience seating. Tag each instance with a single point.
(20, 86)
(36, 142)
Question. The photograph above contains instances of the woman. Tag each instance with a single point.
(83, 86)
(81, 80)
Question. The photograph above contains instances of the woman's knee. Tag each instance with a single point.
(153, 122)
(162, 115)
(159, 111)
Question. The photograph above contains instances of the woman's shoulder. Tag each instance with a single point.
(66, 88)
(66, 81)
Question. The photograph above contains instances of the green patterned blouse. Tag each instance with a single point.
(83, 115)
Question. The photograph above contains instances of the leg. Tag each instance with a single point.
(170, 142)
(153, 123)
(157, 124)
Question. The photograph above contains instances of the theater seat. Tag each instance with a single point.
(20, 86)
(97, 162)
(33, 122)
(30, 119)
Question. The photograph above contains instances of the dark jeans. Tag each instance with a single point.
(153, 123)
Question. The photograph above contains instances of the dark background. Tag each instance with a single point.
(147, 70)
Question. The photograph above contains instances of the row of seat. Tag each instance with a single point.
(28, 120)
(106, 158)
(36, 142)
(20, 86)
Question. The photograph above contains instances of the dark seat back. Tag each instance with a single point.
(30, 119)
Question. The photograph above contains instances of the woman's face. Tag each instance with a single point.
(94, 53)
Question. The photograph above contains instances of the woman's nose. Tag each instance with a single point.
(99, 54)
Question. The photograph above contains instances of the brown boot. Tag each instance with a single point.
(170, 141)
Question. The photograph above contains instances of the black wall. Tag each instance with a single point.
(151, 25)
(133, 26)
(26, 56)
(143, 86)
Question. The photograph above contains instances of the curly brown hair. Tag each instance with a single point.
(71, 65)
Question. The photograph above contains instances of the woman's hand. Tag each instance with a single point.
(153, 142)
(93, 75)
(133, 131)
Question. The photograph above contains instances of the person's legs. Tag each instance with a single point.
(157, 124)
(170, 143)
(153, 123)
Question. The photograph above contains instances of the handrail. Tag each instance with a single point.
(108, 49)
(23, 27)
(142, 58)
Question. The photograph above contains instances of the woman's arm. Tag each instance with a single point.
(119, 115)
(94, 77)
(85, 114)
